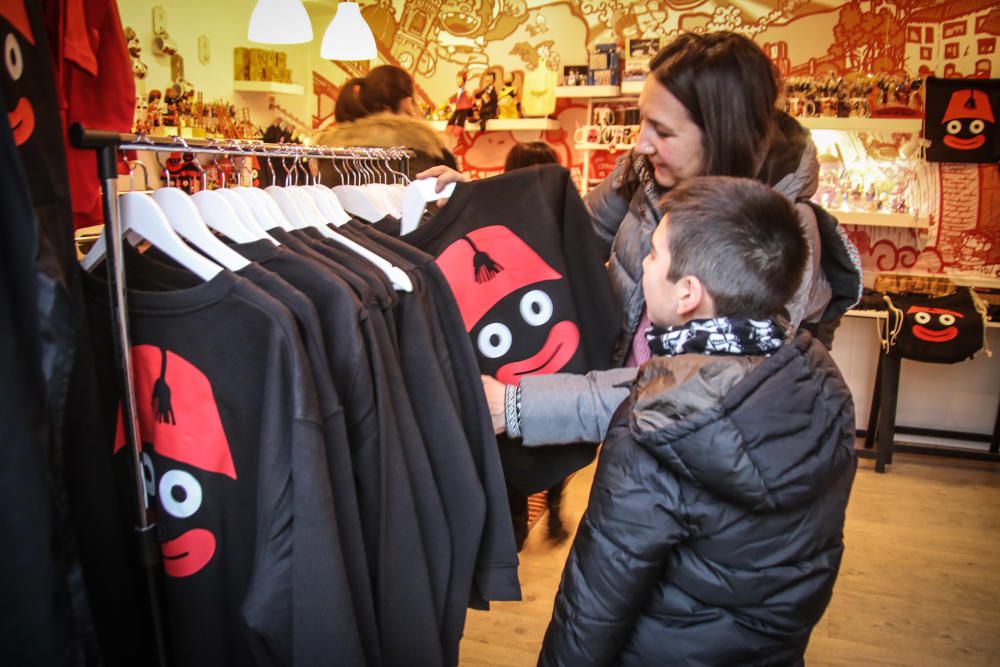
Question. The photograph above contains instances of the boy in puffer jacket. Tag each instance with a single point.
(714, 531)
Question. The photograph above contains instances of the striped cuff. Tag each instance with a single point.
(512, 410)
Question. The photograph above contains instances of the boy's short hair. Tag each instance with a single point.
(740, 238)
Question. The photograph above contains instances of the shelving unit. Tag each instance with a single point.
(872, 219)
(268, 87)
(897, 125)
(588, 91)
(632, 87)
(505, 124)
(603, 147)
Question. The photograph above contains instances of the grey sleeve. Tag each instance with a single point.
(607, 208)
(813, 294)
(563, 408)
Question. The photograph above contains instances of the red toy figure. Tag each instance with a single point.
(462, 103)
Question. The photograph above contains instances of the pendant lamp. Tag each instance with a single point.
(280, 22)
(348, 37)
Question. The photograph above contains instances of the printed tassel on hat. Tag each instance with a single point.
(161, 394)
(484, 267)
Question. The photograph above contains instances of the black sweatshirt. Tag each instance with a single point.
(236, 470)
(153, 271)
(526, 269)
(391, 504)
(496, 564)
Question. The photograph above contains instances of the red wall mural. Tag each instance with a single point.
(907, 39)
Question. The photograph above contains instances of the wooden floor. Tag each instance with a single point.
(919, 585)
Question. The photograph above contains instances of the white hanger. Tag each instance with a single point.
(288, 206)
(328, 204)
(220, 215)
(415, 199)
(266, 207)
(141, 215)
(246, 214)
(186, 220)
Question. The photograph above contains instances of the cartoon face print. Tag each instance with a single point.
(186, 460)
(16, 39)
(513, 304)
(967, 119)
(933, 325)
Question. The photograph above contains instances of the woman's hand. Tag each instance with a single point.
(445, 175)
(494, 390)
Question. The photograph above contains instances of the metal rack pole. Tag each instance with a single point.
(149, 552)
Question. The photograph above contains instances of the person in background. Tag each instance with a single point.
(714, 531)
(708, 108)
(379, 110)
(526, 155)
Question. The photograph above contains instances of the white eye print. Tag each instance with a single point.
(953, 126)
(947, 319)
(977, 126)
(494, 340)
(922, 318)
(12, 56)
(180, 493)
(148, 478)
(536, 307)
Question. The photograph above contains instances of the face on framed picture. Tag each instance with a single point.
(642, 48)
(575, 75)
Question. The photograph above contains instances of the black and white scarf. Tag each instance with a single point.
(719, 335)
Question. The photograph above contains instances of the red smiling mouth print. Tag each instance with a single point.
(559, 348)
(187, 554)
(22, 121)
(934, 335)
(964, 144)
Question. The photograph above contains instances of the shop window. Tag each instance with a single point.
(984, 68)
(913, 34)
(926, 53)
(949, 70)
(980, 22)
(928, 35)
(986, 46)
(954, 29)
(951, 50)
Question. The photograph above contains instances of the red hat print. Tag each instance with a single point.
(17, 15)
(488, 264)
(177, 411)
(939, 329)
(968, 105)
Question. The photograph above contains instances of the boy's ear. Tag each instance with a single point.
(691, 296)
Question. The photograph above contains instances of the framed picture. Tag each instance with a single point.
(642, 48)
(638, 53)
(575, 75)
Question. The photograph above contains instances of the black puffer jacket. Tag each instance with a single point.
(715, 527)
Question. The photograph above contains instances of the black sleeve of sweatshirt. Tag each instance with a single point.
(496, 563)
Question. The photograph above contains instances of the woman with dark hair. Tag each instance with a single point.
(708, 108)
(379, 110)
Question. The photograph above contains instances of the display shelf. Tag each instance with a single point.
(867, 219)
(504, 124)
(588, 91)
(603, 147)
(632, 87)
(267, 87)
(903, 125)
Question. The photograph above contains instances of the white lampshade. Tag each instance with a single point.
(348, 37)
(280, 22)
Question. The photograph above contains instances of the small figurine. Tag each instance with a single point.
(509, 103)
(462, 103)
(488, 100)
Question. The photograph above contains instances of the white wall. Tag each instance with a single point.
(225, 24)
(954, 397)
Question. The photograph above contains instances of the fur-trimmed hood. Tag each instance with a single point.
(385, 130)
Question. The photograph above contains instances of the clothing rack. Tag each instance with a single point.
(106, 145)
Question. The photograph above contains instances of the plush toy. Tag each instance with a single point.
(462, 103)
(487, 100)
(510, 103)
